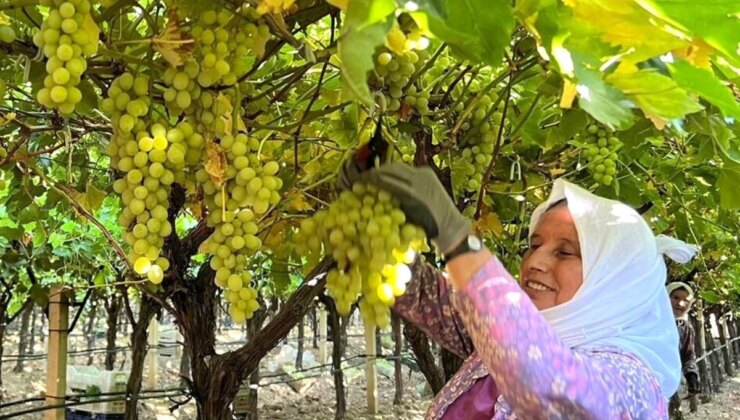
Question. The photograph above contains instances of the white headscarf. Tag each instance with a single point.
(676, 285)
(622, 302)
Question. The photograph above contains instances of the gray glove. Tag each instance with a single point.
(422, 198)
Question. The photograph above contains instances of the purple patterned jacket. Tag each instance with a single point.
(516, 367)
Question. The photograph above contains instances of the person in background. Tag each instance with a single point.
(682, 297)
(585, 333)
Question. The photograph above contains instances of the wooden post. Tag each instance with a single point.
(56, 369)
(724, 339)
(322, 335)
(701, 350)
(397, 366)
(153, 354)
(371, 369)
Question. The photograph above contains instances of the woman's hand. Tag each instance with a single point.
(422, 198)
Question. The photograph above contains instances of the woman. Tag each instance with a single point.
(588, 333)
(682, 297)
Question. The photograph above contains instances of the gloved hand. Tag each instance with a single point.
(422, 198)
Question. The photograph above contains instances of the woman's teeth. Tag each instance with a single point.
(538, 286)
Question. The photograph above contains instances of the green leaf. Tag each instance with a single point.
(715, 21)
(356, 50)
(710, 296)
(280, 275)
(729, 179)
(40, 295)
(602, 101)
(657, 95)
(11, 232)
(92, 199)
(89, 100)
(476, 29)
(705, 84)
(362, 13)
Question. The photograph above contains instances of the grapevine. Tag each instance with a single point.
(366, 233)
(65, 38)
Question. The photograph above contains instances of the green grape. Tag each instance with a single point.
(64, 43)
(7, 34)
(367, 264)
(601, 153)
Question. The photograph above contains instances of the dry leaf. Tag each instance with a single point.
(174, 44)
(215, 162)
(296, 200)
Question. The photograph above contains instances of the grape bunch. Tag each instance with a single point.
(144, 190)
(601, 153)
(246, 189)
(149, 161)
(477, 146)
(417, 99)
(222, 40)
(394, 72)
(366, 233)
(240, 295)
(64, 41)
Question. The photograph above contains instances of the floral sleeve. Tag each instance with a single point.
(427, 305)
(537, 375)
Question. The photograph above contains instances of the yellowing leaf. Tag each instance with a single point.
(227, 116)
(697, 53)
(557, 171)
(91, 199)
(5, 20)
(490, 222)
(569, 94)
(93, 32)
(296, 200)
(339, 4)
(173, 44)
(625, 24)
(215, 162)
(395, 40)
(6, 118)
(276, 236)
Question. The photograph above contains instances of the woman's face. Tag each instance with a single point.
(551, 270)
(680, 301)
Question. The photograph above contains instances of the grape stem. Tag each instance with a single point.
(497, 148)
(69, 196)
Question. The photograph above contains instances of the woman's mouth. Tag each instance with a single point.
(537, 286)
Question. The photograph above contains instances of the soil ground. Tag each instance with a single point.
(278, 400)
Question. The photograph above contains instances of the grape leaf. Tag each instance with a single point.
(602, 101)
(173, 44)
(92, 198)
(362, 13)
(657, 95)
(710, 296)
(475, 29)
(729, 179)
(705, 84)
(356, 49)
(717, 22)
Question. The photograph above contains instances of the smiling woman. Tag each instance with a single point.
(552, 271)
(588, 333)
